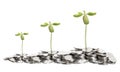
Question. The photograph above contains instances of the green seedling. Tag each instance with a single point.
(51, 30)
(85, 21)
(22, 38)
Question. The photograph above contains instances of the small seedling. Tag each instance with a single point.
(85, 21)
(51, 30)
(22, 38)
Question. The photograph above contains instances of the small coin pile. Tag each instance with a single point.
(76, 56)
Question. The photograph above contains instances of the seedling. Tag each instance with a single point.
(85, 21)
(51, 30)
(22, 38)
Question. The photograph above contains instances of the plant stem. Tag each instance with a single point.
(85, 37)
(22, 48)
(51, 43)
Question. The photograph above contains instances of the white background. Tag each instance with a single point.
(27, 15)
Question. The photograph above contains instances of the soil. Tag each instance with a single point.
(76, 56)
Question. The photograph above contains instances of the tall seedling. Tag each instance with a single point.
(85, 21)
(22, 39)
(51, 30)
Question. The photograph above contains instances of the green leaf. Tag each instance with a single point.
(78, 14)
(44, 25)
(56, 24)
(25, 33)
(91, 13)
(18, 34)
(22, 37)
(51, 29)
(85, 19)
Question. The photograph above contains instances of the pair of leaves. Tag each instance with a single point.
(21, 35)
(85, 17)
(46, 24)
(79, 14)
(50, 26)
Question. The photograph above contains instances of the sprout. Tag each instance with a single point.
(51, 30)
(22, 38)
(85, 21)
